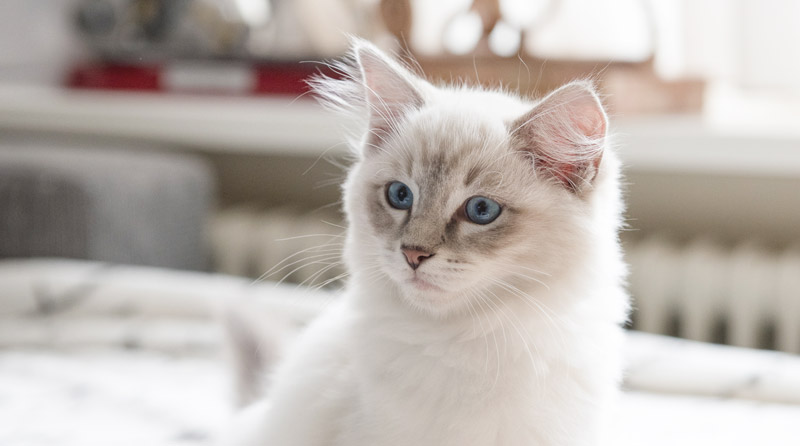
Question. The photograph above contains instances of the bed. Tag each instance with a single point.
(99, 354)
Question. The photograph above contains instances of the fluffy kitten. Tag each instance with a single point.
(485, 295)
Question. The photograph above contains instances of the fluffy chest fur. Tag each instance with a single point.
(509, 375)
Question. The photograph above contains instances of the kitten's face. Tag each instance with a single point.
(458, 193)
(452, 210)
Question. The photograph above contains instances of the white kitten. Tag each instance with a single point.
(485, 295)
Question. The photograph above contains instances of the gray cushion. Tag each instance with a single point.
(134, 207)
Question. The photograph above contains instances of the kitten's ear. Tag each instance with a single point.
(391, 91)
(565, 133)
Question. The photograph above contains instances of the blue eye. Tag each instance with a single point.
(482, 210)
(399, 195)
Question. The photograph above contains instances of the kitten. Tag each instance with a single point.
(485, 295)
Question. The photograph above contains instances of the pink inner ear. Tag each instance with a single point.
(571, 174)
(590, 119)
(565, 133)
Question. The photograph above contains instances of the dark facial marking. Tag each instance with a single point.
(379, 216)
(450, 229)
(436, 171)
(406, 219)
(495, 237)
(421, 231)
(472, 175)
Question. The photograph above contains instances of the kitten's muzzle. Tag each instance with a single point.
(415, 255)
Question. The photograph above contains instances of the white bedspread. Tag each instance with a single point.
(92, 354)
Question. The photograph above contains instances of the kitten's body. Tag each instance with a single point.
(509, 334)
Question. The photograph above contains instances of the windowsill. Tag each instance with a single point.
(686, 144)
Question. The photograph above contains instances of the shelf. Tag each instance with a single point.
(285, 126)
(217, 123)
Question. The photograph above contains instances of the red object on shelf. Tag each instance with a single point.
(115, 77)
(213, 77)
(284, 79)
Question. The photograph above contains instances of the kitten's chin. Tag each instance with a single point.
(421, 291)
(427, 296)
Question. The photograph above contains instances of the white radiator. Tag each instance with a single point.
(745, 295)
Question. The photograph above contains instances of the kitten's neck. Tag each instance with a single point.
(489, 338)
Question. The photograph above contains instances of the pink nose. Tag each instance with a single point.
(415, 255)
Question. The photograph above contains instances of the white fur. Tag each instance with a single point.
(536, 362)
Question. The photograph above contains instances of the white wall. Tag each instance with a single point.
(37, 41)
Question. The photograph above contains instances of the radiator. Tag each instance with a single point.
(281, 244)
(745, 295)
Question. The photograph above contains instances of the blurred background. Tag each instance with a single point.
(178, 134)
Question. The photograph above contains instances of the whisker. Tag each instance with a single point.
(319, 273)
(327, 245)
(533, 279)
(523, 338)
(307, 236)
(333, 224)
(329, 281)
(498, 311)
(539, 307)
(333, 253)
(484, 333)
(316, 262)
(526, 268)
(480, 300)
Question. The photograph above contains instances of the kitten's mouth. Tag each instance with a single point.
(423, 284)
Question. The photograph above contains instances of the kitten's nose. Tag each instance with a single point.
(415, 255)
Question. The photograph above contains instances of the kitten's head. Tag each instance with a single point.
(458, 192)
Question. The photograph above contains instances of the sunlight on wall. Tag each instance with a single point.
(573, 29)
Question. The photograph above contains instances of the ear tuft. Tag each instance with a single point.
(565, 133)
(369, 84)
(391, 91)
